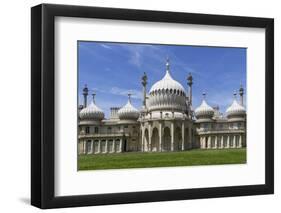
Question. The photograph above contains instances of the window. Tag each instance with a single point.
(87, 130)
(109, 129)
(96, 130)
(205, 126)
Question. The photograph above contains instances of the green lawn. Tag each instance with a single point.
(163, 159)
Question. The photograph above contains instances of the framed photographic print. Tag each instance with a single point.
(139, 106)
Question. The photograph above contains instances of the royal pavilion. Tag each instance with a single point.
(166, 122)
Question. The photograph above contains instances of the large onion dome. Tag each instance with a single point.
(235, 110)
(167, 94)
(204, 111)
(91, 112)
(128, 112)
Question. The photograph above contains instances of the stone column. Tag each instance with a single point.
(149, 137)
(182, 136)
(240, 141)
(216, 142)
(172, 136)
(227, 142)
(106, 146)
(113, 145)
(121, 145)
(209, 142)
(203, 142)
(92, 146)
(99, 147)
(84, 147)
(160, 137)
(142, 139)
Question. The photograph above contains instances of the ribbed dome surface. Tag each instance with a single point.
(167, 82)
(128, 112)
(167, 94)
(204, 110)
(91, 112)
(235, 109)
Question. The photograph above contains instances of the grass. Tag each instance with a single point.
(162, 159)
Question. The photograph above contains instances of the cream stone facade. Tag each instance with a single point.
(166, 122)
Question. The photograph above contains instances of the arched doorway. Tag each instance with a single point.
(167, 139)
(155, 140)
(177, 139)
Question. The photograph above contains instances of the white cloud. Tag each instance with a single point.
(124, 92)
(106, 46)
(135, 59)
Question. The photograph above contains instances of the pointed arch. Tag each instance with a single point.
(155, 140)
(177, 139)
(166, 139)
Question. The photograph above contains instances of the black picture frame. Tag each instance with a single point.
(43, 105)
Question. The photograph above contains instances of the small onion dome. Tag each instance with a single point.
(204, 110)
(235, 110)
(128, 112)
(167, 94)
(91, 112)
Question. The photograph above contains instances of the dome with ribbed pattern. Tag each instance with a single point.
(91, 112)
(167, 94)
(128, 112)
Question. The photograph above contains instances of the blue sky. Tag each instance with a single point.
(112, 70)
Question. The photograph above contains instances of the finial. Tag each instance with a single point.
(234, 94)
(129, 97)
(204, 95)
(167, 64)
(94, 94)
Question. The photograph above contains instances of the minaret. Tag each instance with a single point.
(241, 93)
(94, 94)
(144, 83)
(85, 94)
(189, 83)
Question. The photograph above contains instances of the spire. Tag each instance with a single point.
(167, 65)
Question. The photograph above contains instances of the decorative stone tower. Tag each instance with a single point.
(189, 83)
(241, 93)
(85, 94)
